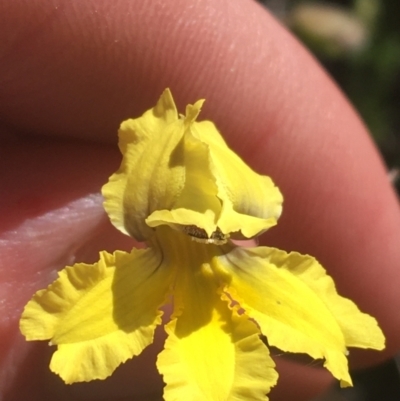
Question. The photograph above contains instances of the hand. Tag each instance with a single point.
(71, 71)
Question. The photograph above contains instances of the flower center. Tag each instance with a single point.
(198, 234)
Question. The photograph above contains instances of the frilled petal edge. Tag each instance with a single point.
(359, 329)
(99, 315)
(296, 313)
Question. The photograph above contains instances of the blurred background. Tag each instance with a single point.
(358, 42)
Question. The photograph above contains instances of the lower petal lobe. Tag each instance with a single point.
(291, 313)
(212, 353)
(99, 315)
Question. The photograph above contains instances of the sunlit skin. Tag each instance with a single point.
(73, 73)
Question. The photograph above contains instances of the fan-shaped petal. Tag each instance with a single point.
(99, 315)
(211, 352)
(296, 313)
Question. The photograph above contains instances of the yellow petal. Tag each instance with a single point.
(359, 329)
(211, 352)
(220, 189)
(99, 315)
(294, 315)
(198, 203)
(151, 175)
(251, 202)
(179, 172)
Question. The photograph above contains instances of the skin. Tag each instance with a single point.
(72, 70)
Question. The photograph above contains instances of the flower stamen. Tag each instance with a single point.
(198, 234)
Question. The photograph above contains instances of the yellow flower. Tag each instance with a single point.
(184, 192)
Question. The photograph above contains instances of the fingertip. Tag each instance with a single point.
(91, 65)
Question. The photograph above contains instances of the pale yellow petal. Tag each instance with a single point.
(180, 172)
(152, 174)
(197, 203)
(293, 316)
(360, 329)
(212, 353)
(220, 190)
(99, 315)
(251, 202)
